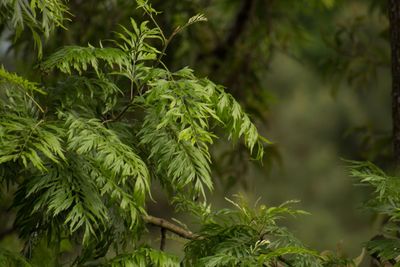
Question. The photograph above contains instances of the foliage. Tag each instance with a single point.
(248, 236)
(144, 257)
(386, 200)
(38, 16)
(85, 147)
(83, 164)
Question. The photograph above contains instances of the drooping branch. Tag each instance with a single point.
(173, 228)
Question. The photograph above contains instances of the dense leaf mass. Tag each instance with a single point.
(83, 164)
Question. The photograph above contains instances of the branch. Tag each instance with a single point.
(119, 115)
(167, 41)
(163, 237)
(126, 108)
(168, 226)
(164, 224)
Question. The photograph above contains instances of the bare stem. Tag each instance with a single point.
(163, 238)
(168, 226)
(119, 115)
(175, 32)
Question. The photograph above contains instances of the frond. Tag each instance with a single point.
(16, 81)
(65, 193)
(17, 94)
(386, 200)
(134, 41)
(23, 13)
(178, 163)
(146, 6)
(29, 141)
(196, 18)
(176, 128)
(236, 121)
(38, 16)
(387, 188)
(180, 109)
(80, 58)
(143, 257)
(192, 20)
(248, 237)
(120, 166)
(88, 94)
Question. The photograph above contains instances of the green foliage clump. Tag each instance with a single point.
(248, 236)
(81, 161)
(40, 17)
(385, 201)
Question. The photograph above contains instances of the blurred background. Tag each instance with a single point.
(313, 74)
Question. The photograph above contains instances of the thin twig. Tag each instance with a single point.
(155, 23)
(35, 102)
(175, 32)
(119, 115)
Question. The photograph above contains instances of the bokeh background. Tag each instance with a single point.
(313, 74)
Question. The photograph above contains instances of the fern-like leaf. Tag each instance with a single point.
(66, 193)
(80, 58)
(118, 162)
(29, 140)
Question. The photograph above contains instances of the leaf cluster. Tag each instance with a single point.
(83, 164)
(40, 17)
(386, 201)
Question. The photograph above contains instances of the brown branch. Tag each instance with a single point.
(167, 42)
(119, 115)
(163, 238)
(173, 228)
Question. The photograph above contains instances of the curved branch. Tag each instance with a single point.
(164, 224)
